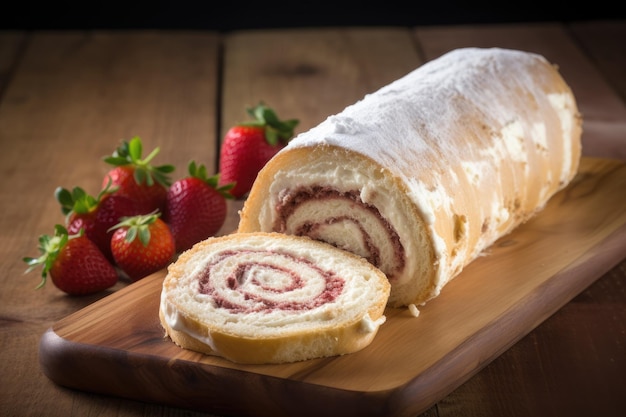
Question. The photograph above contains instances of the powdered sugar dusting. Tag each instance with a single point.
(486, 133)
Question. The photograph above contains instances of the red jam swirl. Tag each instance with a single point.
(290, 201)
(243, 290)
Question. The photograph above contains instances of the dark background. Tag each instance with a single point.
(227, 15)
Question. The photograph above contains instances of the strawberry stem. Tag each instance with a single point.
(49, 248)
(200, 172)
(138, 226)
(276, 130)
(78, 201)
(129, 153)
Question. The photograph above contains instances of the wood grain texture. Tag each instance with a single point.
(310, 74)
(117, 345)
(58, 103)
(70, 98)
(11, 44)
(610, 58)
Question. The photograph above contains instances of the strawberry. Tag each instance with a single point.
(74, 262)
(247, 147)
(136, 178)
(142, 245)
(95, 215)
(195, 208)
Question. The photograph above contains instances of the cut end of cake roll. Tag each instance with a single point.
(345, 199)
(424, 174)
(260, 298)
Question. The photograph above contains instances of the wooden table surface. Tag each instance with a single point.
(67, 98)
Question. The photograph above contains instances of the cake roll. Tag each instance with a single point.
(422, 175)
(262, 298)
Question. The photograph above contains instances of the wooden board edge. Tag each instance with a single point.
(422, 392)
(178, 383)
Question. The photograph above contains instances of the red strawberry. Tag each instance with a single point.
(247, 147)
(94, 215)
(136, 178)
(142, 245)
(196, 207)
(74, 262)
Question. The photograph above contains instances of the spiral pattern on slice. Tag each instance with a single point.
(272, 298)
(343, 220)
(252, 281)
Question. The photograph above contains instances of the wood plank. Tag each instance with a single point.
(604, 113)
(11, 43)
(597, 39)
(71, 99)
(411, 364)
(310, 74)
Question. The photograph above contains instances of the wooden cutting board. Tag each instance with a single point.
(116, 345)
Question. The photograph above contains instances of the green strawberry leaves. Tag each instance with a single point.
(78, 200)
(130, 152)
(276, 130)
(49, 248)
(200, 172)
(138, 226)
